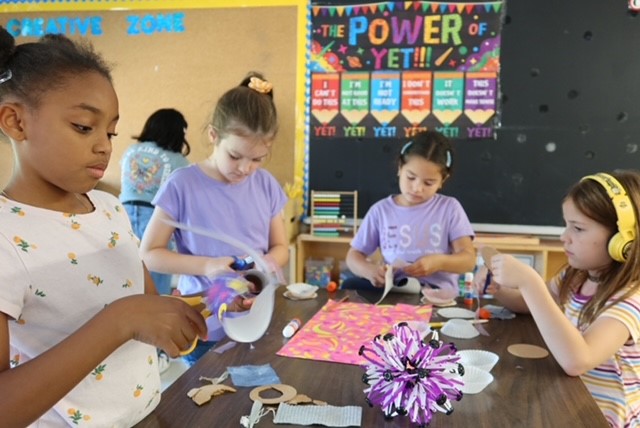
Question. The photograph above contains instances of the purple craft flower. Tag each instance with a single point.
(410, 376)
(223, 289)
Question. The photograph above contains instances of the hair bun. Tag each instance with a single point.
(259, 85)
(7, 48)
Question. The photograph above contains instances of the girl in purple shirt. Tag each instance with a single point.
(420, 232)
(226, 193)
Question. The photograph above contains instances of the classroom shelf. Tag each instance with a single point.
(548, 254)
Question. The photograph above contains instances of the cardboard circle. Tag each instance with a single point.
(287, 393)
(524, 350)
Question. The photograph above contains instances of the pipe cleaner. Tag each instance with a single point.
(408, 375)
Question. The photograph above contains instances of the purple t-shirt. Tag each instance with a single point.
(242, 210)
(408, 233)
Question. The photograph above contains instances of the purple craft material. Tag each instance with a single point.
(223, 289)
(411, 376)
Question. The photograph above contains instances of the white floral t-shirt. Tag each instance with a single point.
(57, 271)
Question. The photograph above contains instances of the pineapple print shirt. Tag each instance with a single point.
(57, 271)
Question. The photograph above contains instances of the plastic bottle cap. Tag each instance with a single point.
(468, 277)
(288, 331)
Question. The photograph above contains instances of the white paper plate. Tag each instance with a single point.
(289, 295)
(302, 290)
(456, 313)
(484, 360)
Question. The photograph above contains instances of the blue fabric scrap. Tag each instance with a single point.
(253, 375)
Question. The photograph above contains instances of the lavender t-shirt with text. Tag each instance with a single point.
(408, 233)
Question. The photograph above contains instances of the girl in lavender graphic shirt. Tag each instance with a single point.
(426, 233)
(228, 193)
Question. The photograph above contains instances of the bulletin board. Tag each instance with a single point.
(184, 55)
(569, 107)
(391, 69)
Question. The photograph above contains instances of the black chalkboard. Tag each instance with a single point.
(570, 81)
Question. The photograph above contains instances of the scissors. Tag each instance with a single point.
(223, 291)
(196, 302)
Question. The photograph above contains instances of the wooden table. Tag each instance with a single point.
(524, 393)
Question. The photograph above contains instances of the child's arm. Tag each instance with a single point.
(461, 260)
(576, 352)
(363, 267)
(278, 244)
(158, 258)
(149, 285)
(32, 388)
(511, 299)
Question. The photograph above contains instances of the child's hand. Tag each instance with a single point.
(480, 279)
(241, 304)
(375, 273)
(510, 272)
(162, 321)
(216, 265)
(424, 266)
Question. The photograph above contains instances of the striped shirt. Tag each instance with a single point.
(615, 384)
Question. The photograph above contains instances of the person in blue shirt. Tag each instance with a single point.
(161, 149)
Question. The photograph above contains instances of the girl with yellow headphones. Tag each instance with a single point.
(589, 314)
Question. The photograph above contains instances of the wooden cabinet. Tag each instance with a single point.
(319, 247)
(548, 254)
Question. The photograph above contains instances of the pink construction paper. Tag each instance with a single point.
(338, 330)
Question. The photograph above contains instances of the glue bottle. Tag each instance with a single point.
(290, 329)
(468, 290)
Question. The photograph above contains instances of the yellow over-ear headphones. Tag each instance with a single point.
(620, 243)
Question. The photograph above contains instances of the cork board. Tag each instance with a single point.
(188, 70)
